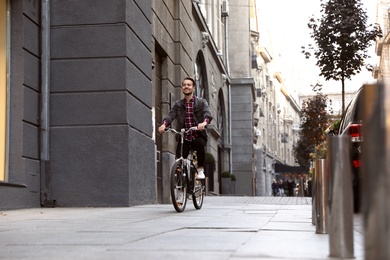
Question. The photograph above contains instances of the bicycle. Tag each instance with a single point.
(183, 182)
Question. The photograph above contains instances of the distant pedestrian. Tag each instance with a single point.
(297, 189)
(285, 188)
(305, 190)
(281, 188)
(309, 187)
(291, 187)
(294, 184)
(274, 187)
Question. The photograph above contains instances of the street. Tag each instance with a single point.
(225, 228)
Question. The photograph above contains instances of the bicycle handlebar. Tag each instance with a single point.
(168, 129)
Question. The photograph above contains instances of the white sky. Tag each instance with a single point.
(287, 21)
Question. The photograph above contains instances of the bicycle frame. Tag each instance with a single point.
(183, 182)
(186, 163)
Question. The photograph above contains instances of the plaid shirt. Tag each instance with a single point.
(190, 120)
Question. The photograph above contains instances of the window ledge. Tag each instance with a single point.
(214, 131)
(9, 184)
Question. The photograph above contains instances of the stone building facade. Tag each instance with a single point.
(183, 45)
(86, 83)
(77, 128)
(84, 86)
(276, 114)
(382, 47)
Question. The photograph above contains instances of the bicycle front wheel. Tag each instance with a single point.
(178, 188)
(198, 195)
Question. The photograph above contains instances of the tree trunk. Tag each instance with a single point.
(342, 95)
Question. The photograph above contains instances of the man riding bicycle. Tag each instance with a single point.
(190, 111)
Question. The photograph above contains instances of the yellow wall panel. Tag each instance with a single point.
(3, 86)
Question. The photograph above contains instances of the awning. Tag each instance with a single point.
(283, 168)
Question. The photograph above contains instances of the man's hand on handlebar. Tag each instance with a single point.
(202, 126)
(161, 129)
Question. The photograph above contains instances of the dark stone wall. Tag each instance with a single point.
(22, 187)
(102, 151)
(242, 134)
(101, 147)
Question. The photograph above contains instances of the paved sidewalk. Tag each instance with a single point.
(225, 228)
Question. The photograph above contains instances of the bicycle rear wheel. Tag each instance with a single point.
(198, 196)
(178, 188)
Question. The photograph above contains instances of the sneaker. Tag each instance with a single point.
(200, 174)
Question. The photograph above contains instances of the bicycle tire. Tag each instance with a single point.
(198, 195)
(178, 188)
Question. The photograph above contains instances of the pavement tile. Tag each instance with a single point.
(227, 227)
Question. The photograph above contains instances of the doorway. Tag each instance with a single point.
(157, 96)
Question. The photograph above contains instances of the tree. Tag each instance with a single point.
(342, 38)
(314, 121)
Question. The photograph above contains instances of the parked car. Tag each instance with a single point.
(351, 124)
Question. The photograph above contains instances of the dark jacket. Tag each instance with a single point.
(178, 112)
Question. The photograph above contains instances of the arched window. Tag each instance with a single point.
(200, 77)
(220, 124)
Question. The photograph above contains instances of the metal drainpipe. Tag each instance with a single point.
(230, 91)
(46, 199)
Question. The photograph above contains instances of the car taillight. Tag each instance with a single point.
(356, 163)
(355, 132)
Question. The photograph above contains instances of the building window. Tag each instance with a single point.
(200, 77)
(4, 62)
(220, 113)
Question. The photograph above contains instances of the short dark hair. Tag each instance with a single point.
(189, 78)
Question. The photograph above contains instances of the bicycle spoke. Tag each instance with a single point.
(178, 189)
(198, 196)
